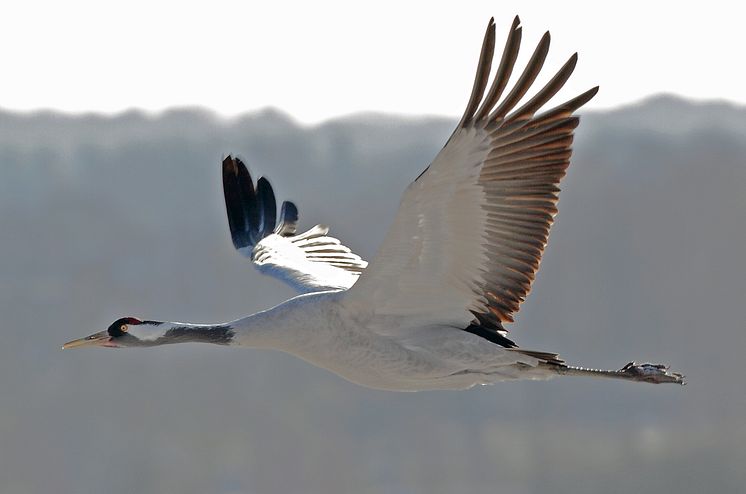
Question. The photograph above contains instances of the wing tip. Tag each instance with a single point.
(251, 207)
(494, 110)
(236, 196)
(288, 223)
(229, 164)
(585, 97)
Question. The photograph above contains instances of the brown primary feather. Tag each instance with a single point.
(504, 70)
(525, 80)
(528, 156)
(483, 72)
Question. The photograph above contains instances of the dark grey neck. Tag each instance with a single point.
(168, 333)
(220, 334)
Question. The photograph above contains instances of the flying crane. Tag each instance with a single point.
(429, 311)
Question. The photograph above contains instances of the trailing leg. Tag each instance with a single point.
(649, 373)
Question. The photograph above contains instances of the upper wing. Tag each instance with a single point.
(470, 231)
(310, 261)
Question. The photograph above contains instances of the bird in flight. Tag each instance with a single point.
(429, 311)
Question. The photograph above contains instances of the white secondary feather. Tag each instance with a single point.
(310, 262)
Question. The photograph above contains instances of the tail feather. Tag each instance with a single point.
(547, 357)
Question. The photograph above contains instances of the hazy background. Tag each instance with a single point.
(105, 217)
(326, 58)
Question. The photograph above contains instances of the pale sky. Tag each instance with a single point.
(321, 59)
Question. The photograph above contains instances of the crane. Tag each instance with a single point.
(429, 311)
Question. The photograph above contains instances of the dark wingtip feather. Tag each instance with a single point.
(288, 224)
(573, 60)
(570, 106)
(504, 70)
(228, 165)
(587, 96)
(235, 198)
(497, 113)
(267, 208)
(533, 67)
(483, 73)
(251, 211)
(546, 93)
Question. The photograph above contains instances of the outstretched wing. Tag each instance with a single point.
(470, 231)
(309, 261)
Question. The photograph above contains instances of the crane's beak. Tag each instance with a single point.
(97, 339)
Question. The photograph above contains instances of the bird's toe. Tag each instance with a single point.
(653, 373)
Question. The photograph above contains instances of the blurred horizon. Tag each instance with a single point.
(109, 216)
(212, 113)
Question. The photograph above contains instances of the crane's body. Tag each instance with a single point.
(323, 330)
(459, 259)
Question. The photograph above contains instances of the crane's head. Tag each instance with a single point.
(127, 331)
(132, 332)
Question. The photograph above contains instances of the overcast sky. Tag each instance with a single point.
(317, 59)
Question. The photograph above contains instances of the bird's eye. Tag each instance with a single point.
(123, 328)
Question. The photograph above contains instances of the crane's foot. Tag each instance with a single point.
(652, 373)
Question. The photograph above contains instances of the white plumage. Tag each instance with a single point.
(310, 262)
(460, 257)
